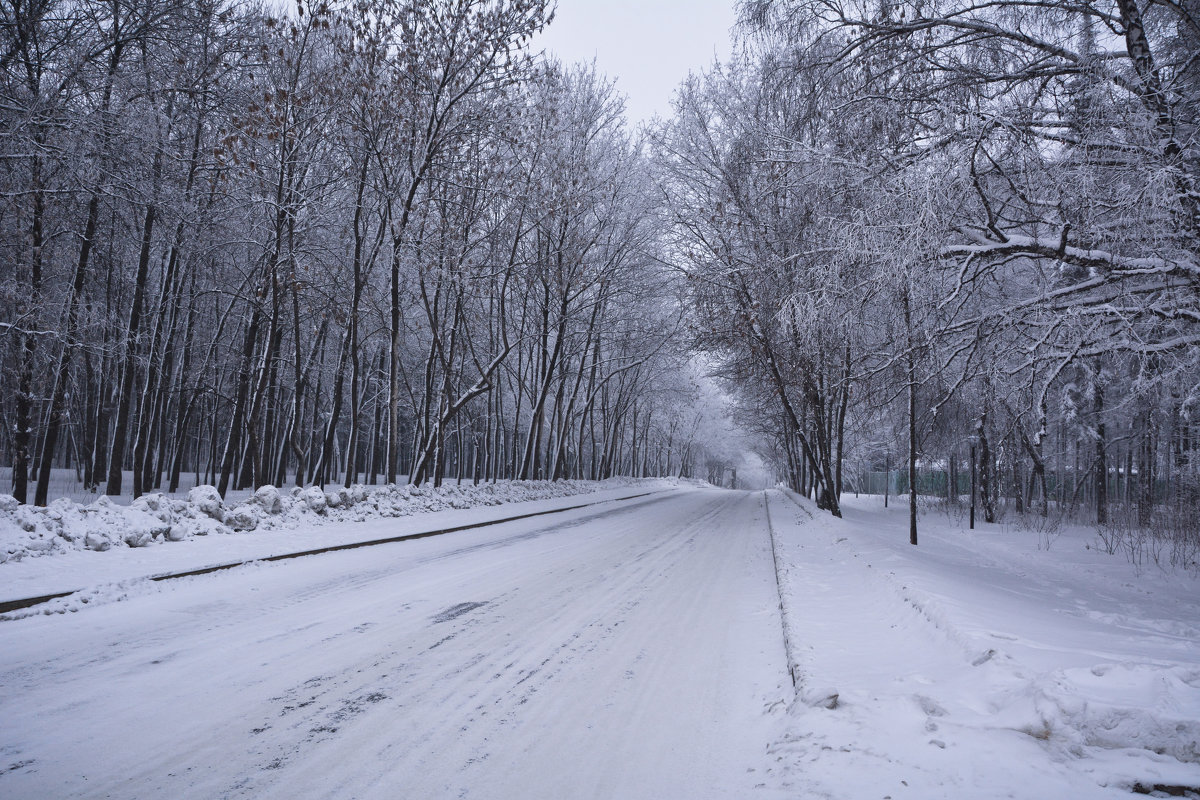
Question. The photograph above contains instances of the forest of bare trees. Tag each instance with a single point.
(362, 241)
(389, 240)
(930, 230)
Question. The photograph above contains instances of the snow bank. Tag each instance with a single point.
(65, 526)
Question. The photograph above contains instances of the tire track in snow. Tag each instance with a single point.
(467, 692)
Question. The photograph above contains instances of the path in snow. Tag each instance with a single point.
(625, 653)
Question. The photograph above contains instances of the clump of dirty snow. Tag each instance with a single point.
(65, 526)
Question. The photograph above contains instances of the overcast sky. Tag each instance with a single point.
(649, 46)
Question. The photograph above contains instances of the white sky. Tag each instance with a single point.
(648, 46)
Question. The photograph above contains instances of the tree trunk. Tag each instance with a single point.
(70, 332)
(22, 435)
(126, 400)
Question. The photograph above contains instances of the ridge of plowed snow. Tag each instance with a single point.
(64, 525)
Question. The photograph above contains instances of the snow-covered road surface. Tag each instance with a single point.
(610, 653)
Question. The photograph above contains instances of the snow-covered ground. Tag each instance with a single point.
(629, 649)
(991, 663)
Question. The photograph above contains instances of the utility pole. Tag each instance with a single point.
(887, 476)
(973, 492)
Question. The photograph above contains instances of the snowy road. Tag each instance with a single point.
(626, 652)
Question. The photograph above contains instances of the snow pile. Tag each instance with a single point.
(1118, 706)
(63, 526)
(931, 671)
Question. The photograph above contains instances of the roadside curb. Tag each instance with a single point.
(788, 648)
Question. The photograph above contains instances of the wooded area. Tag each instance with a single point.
(361, 242)
(926, 230)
